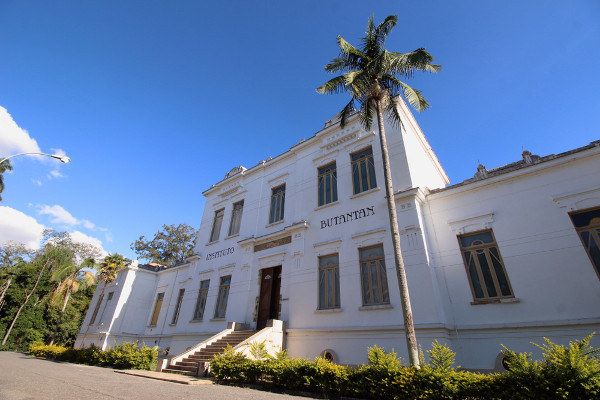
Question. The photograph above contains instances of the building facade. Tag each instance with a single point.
(505, 258)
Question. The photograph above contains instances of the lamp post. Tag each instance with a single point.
(63, 159)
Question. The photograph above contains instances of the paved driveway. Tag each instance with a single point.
(24, 377)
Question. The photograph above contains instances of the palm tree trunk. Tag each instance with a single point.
(88, 327)
(24, 303)
(409, 327)
(60, 317)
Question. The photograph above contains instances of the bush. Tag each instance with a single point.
(127, 355)
(564, 373)
(568, 373)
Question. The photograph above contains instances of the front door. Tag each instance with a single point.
(268, 301)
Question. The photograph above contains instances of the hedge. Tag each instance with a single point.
(571, 372)
(128, 355)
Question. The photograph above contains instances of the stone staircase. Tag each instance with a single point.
(190, 364)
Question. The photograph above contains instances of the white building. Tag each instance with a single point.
(507, 257)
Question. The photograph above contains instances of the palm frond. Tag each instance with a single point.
(405, 64)
(342, 64)
(88, 278)
(333, 86)
(384, 29)
(5, 166)
(346, 112)
(348, 51)
(391, 84)
(391, 111)
(366, 112)
(414, 97)
(62, 272)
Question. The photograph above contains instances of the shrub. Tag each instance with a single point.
(572, 373)
(127, 355)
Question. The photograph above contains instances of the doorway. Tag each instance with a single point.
(268, 301)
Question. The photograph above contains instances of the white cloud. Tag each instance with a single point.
(80, 237)
(61, 216)
(37, 182)
(55, 173)
(18, 227)
(14, 139)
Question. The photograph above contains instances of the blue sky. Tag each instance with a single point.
(154, 101)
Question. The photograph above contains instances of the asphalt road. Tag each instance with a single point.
(24, 377)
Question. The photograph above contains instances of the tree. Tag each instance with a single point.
(70, 278)
(371, 77)
(51, 256)
(170, 246)
(11, 254)
(109, 269)
(4, 166)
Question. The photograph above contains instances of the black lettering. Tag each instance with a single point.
(371, 209)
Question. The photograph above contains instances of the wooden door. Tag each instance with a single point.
(268, 301)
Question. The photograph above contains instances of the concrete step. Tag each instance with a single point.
(192, 368)
(176, 371)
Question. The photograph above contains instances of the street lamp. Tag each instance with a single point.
(63, 159)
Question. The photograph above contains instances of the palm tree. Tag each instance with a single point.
(70, 278)
(109, 269)
(4, 166)
(50, 257)
(370, 75)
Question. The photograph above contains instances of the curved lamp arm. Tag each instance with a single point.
(63, 159)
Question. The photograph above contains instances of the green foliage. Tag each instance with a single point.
(171, 245)
(571, 372)
(37, 318)
(127, 355)
(564, 373)
(258, 350)
(379, 358)
(441, 358)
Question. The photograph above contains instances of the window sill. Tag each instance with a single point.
(328, 310)
(217, 319)
(232, 236)
(195, 321)
(495, 301)
(274, 223)
(175, 324)
(376, 307)
(333, 203)
(213, 242)
(366, 192)
(151, 326)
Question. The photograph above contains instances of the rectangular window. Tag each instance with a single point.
(201, 302)
(484, 265)
(236, 218)
(587, 224)
(277, 204)
(329, 282)
(157, 306)
(327, 182)
(108, 299)
(178, 306)
(216, 229)
(222, 296)
(373, 276)
(363, 171)
(96, 309)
